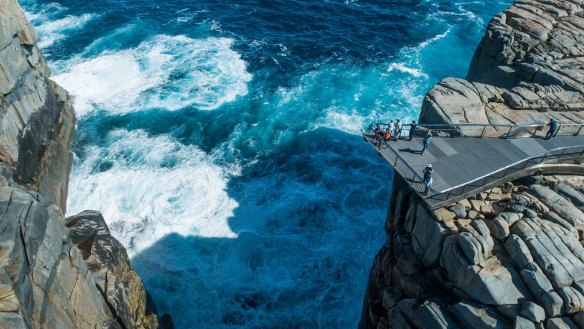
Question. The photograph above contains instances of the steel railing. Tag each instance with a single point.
(438, 198)
(499, 176)
(399, 164)
(484, 130)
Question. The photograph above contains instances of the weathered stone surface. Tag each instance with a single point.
(476, 244)
(427, 237)
(459, 210)
(559, 205)
(556, 251)
(36, 119)
(518, 251)
(552, 303)
(571, 194)
(432, 316)
(573, 300)
(536, 281)
(108, 261)
(491, 282)
(560, 323)
(33, 240)
(472, 315)
(532, 312)
(500, 228)
(523, 323)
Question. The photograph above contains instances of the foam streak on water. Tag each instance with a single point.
(221, 140)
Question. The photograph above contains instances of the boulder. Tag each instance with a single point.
(556, 251)
(559, 205)
(459, 210)
(571, 194)
(552, 303)
(108, 261)
(536, 280)
(491, 283)
(533, 312)
(518, 251)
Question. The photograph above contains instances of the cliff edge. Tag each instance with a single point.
(512, 256)
(55, 272)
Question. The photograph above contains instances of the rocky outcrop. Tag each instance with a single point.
(54, 272)
(512, 258)
(37, 121)
(53, 279)
(528, 67)
(108, 261)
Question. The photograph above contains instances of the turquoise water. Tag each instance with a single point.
(221, 140)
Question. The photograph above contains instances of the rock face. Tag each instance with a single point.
(519, 262)
(55, 272)
(37, 121)
(528, 67)
(52, 278)
(107, 259)
(512, 256)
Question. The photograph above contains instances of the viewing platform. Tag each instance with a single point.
(471, 158)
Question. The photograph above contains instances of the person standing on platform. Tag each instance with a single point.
(426, 142)
(412, 130)
(553, 129)
(397, 129)
(427, 178)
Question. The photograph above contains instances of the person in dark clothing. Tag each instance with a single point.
(553, 129)
(412, 130)
(427, 178)
(378, 135)
(426, 142)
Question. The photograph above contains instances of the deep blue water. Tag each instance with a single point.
(221, 140)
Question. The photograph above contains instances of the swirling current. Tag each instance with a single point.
(220, 139)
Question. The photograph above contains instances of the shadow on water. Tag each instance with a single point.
(308, 223)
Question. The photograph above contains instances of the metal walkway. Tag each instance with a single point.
(470, 158)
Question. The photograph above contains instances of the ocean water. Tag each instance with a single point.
(220, 139)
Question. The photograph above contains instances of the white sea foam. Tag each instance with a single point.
(153, 186)
(435, 38)
(348, 122)
(53, 31)
(168, 72)
(403, 68)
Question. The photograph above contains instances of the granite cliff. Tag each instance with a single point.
(56, 272)
(512, 256)
(528, 67)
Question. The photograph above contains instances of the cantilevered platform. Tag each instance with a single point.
(465, 166)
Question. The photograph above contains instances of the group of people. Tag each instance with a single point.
(394, 132)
